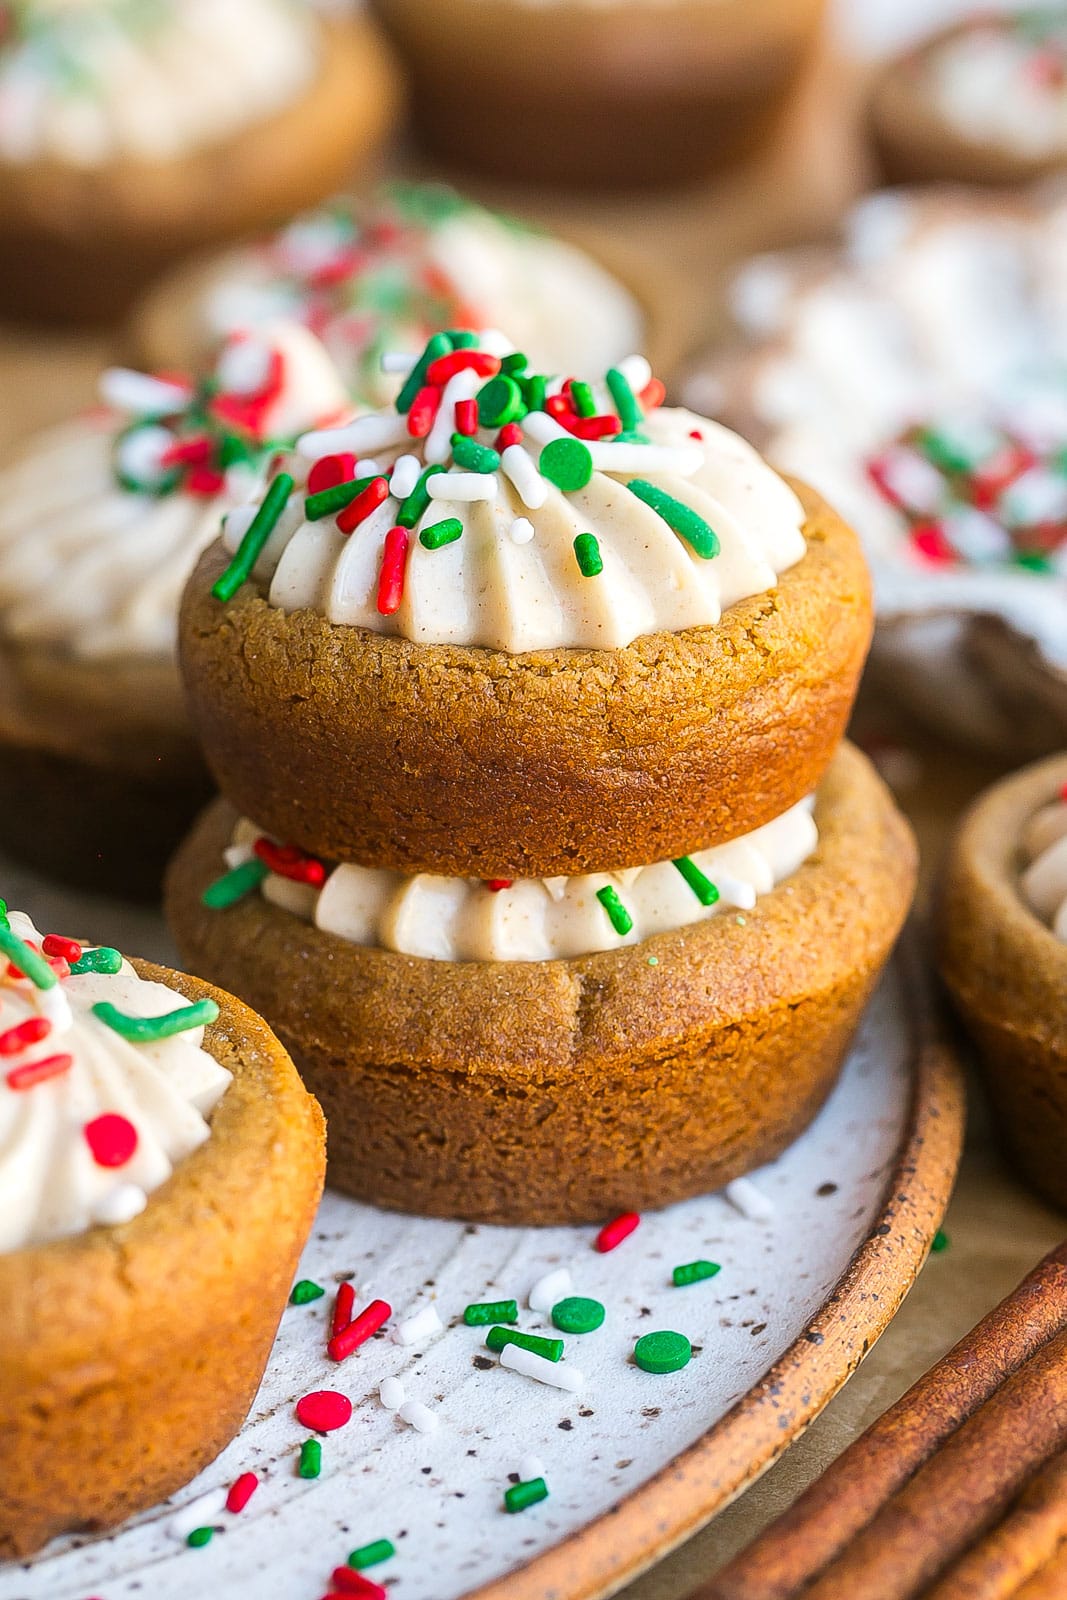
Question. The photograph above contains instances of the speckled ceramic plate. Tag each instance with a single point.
(814, 1262)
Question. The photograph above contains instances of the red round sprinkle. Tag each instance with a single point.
(111, 1138)
(509, 434)
(53, 944)
(467, 417)
(391, 574)
(23, 1034)
(35, 1072)
(343, 1308)
(358, 1332)
(613, 1233)
(359, 509)
(329, 471)
(241, 1491)
(323, 1410)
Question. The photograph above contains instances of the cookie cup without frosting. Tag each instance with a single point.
(474, 763)
(562, 1091)
(132, 1354)
(1008, 974)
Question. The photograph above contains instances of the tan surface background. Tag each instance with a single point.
(676, 250)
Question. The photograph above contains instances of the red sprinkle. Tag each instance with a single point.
(929, 540)
(343, 1308)
(467, 417)
(329, 471)
(111, 1138)
(479, 361)
(358, 1332)
(241, 1491)
(288, 862)
(203, 480)
(613, 1233)
(348, 1582)
(53, 944)
(424, 409)
(359, 509)
(323, 1410)
(653, 394)
(23, 1034)
(391, 575)
(35, 1072)
(496, 884)
(509, 434)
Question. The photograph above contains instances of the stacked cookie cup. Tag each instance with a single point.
(538, 845)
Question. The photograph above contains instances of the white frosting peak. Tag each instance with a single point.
(1044, 880)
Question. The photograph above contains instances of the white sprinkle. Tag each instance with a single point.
(438, 445)
(531, 1365)
(244, 366)
(381, 430)
(121, 1204)
(418, 1416)
(735, 892)
(521, 530)
(542, 428)
(235, 855)
(370, 469)
(495, 343)
(140, 454)
(464, 486)
(750, 1201)
(391, 1393)
(236, 523)
(645, 458)
(531, 1467)
(406, 473)
(199, 1513)
(637, 372)
(519, 467)
(53, 1004)
(550, 1289)
(141, 394)
(419, 1327)
(398, 361)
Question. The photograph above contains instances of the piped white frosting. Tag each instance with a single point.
(51, 1186)
(463, 919)
(1000, 82)
(1044, 878)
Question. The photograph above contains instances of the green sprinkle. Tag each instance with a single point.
(629, 412)
(418, 500)
(939, 1242)
(441, 533)
(680, 518)
(694, 1272)
(440, 345)
(4, 923)
(484, 1311)
(329, 501)
(29, 963)
(663, 1352)
(741, 921)
(310, 1459)
(582, 399)
(101, 959)
(461, 339)
(535, 390)
(701, 885)
(369, 1555)
(515, 363)
(146, 1030)
(521, 1495)
(473, 456)
(653, 961)
(618, 915)
(233, 886)
(587, 554)
(567, 463)
(577, 1315)
(952, 455)
(251, 546)
(497, 1338)
(200, 1537)
(305, 1291)
(500, 401)
(1033, 561)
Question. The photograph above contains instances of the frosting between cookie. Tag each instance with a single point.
(1003, 82)
(1044, 879)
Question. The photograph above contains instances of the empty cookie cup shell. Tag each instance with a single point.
(133, 1353)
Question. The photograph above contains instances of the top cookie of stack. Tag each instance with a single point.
(580, 631)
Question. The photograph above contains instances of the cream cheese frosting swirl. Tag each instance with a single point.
(152, 80)
(1003, 81)
(464, 919)
(556, 521)
(1044, 853)
(91, 1121)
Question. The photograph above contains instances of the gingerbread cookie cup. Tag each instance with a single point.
(1007, 973)
(132, 1353)
(559, 1091)
(77, 243)
(473, 762)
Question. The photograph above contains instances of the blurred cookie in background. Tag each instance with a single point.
(133, 132)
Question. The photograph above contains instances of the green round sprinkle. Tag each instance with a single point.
(200, 1537)
(694, 1272)
(618, 915)
(482, 1312)
(939, 1242)
(259, 531)
(29, 963)
(329, 501)
(369, 1555)
(653, 961)
(663, 1352)
(418, 500)
(701, 885)
(310, 1459)
(514, 363)
(582, 399)
(146, 1030)
(567, 463)
(577, 1315)
(305, 1291)
(587, 554)
(680, 518)
(500, 401)
(472, 456)
(102, 959)
(233, 886)
(440, 345)
(521, 1495)
(625, 401)
(497, 1338)
(441, 533)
